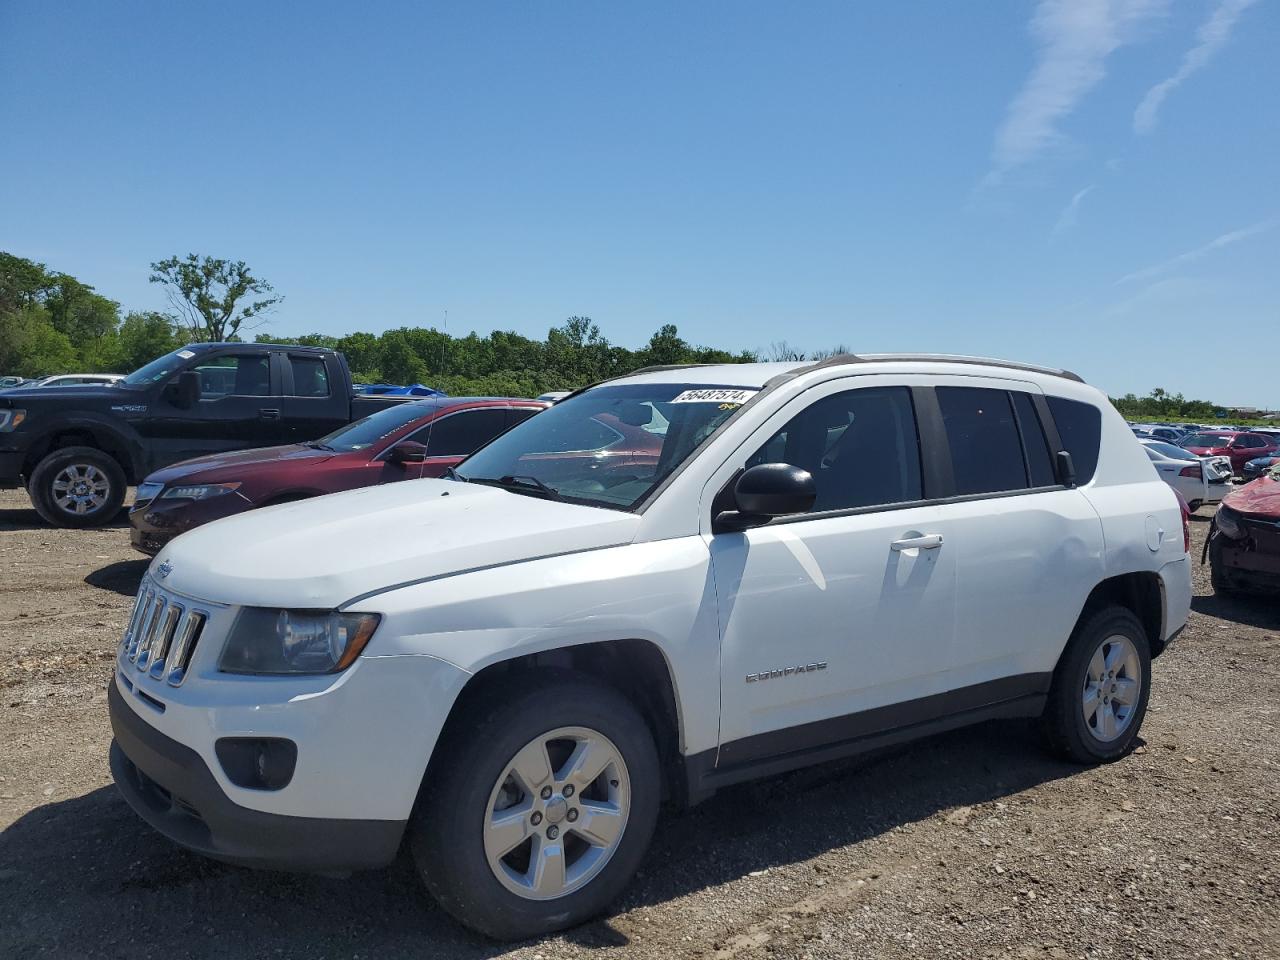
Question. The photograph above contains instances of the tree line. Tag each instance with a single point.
(51, 322)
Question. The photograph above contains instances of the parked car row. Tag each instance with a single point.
(668, 583)
(61, 380)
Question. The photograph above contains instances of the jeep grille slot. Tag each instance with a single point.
(162, 634)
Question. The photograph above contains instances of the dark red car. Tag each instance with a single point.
(1244, 540)
(404, 442)
(1239, 446)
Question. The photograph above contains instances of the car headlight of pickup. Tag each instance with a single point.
(295, 641)
(199, 491)
(10, 419)
(1228, 523)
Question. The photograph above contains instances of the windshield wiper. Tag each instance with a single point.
(317, 445)
(521, 483)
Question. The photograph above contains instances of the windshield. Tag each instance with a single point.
(159, 369)
(1170, 451)
(1204, 440)
(607, 447)
(365, 433)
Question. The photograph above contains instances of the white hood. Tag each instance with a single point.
(324, 552)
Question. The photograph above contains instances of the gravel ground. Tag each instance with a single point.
(970, 845)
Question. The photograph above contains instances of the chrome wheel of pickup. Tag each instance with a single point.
(80, 488)
(557, 813)
(1112, 688)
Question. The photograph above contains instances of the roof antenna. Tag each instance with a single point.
(444, 355)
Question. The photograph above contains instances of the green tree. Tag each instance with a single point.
(145, 335)
(77, 311)
(209, 295)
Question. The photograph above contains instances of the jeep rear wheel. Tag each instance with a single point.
(539, 810)
(77, 487)
(1100, 688)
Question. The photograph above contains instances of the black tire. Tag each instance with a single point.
(46, 474)
(1066, 729)
(446, 836)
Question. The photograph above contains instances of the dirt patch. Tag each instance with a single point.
(973, 844)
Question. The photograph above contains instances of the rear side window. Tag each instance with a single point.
(310, 379)
(1080, 427)
(463, 433)
(982, 434)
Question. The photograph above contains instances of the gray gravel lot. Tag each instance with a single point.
(970, 845)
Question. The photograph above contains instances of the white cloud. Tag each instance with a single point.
(1217, 243)
(1070, 213)
(1211, 38)
(1075, 38)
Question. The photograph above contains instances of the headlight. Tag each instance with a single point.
(295, 641)
(199, 491)
(147, 492)
(1228, 521)
(9, 419)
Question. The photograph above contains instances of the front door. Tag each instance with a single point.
(239, 408)
(839, 623)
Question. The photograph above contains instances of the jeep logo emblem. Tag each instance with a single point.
(164, 569)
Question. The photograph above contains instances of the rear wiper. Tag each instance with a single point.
(521, 483)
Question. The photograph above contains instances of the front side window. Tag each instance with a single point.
(860, 446)
(235, 376)
(1170, 452)
(982, 434)
(610, 446)
(462, 433)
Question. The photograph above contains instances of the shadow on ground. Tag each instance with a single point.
(85, 876)
(1255, 610)
(122, 577)
(26, 518)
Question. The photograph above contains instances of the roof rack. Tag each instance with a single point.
(844, 358)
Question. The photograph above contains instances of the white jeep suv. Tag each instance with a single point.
(664, 584)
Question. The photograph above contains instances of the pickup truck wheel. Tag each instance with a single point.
(1100, 688)
(540, 809)
(77, 487)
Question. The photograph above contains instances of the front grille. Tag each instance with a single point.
(162, 635)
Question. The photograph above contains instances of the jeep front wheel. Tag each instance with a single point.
(540, 809)
(77, 487)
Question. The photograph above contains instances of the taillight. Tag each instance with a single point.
(1186, 526)
(1194, 470)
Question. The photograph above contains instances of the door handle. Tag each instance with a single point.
(269, 413)
(930, 541)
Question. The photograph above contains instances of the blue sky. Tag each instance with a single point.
(1083, 183)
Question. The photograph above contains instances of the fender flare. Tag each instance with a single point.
(122, 442)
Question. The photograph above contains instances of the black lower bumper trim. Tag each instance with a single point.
(171, 788)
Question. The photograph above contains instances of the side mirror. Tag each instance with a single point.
(184, 392)
(765, 491)
(407, 451)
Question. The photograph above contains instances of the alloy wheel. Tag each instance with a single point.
(1112, 688)
(80, 488)
(557, 813)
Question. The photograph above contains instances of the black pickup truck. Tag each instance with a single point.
(75, 449)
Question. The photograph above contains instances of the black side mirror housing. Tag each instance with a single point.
(765, 491)
(184, 391)
(407, 451)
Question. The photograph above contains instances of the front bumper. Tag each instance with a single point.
(11, 467)
(171, 787)
(154, 524)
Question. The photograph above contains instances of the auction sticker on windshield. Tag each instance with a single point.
(715, 395)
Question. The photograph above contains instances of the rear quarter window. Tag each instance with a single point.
(1080, 428)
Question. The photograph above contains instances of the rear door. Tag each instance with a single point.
(1028, 548)
(314, 399)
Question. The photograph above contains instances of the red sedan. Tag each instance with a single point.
(1239, 446)
(404, 442)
